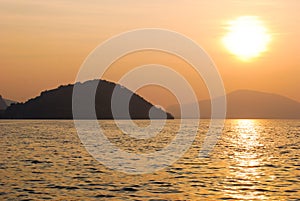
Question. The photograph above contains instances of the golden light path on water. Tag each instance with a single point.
(247, 169)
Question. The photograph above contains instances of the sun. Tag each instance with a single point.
(247, 37)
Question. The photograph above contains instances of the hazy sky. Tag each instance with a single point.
(43, 43)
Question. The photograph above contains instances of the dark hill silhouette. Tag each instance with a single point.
(57, 104)
(251, 104)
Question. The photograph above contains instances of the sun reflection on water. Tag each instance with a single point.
(246, 170)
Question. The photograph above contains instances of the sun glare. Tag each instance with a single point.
(247, 37)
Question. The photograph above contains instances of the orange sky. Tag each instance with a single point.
(43, 43)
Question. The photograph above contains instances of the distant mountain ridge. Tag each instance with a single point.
(3, 104)
(57, 104)
(9, 102)
(250, 104)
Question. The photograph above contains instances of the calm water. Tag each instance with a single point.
(253, 160)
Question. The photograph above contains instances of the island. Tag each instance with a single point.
(57, 104)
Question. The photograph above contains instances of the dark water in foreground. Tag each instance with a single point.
(253, 160)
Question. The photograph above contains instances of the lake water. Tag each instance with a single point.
(253, 160)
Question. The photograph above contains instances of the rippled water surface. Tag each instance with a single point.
(253, 160)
